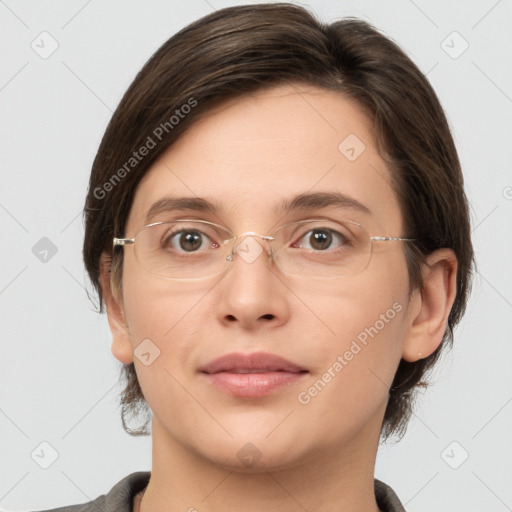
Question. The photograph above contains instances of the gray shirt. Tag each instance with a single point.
(120, 497)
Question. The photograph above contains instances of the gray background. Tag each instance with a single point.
(59, 381)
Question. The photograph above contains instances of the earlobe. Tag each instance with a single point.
(121, 346)
(429, 318)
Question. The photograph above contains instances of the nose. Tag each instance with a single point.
(253, 294)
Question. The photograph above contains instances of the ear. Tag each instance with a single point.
(121, 347)
(430, 307)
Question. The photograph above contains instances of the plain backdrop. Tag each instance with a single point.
(59, 381)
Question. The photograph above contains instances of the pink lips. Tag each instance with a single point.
(251, 375)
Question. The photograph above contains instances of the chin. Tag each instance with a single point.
(256, 453)
(251, 460)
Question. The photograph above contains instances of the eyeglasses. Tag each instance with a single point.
(190, 249)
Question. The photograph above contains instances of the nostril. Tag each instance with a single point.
(268, 316)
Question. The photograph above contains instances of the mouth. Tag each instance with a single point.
(252, 375)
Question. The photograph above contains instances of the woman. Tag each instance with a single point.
(277, 226)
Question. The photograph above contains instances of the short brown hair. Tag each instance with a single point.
(240, 50)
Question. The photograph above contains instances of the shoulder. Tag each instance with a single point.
(387, 500)
(118, 499)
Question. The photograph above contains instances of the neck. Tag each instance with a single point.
(182, 479)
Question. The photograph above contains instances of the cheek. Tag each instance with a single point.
(163, 321)
(366, 327)
(366, 316)
(155, 308)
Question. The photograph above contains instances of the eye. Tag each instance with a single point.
(320, 239)
(188, 240)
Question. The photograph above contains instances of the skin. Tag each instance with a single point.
(248, 155)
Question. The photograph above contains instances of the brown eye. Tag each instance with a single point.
(187, 241)
(321, 239)
(190, 241)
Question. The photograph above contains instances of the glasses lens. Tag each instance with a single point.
(322, 248)
(189, 249)
(182, 249)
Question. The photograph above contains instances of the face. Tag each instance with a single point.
(248, 158)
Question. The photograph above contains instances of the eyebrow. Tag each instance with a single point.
(317, 200)
(302, 202)
(169, 203)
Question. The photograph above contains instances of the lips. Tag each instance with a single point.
(251, 375)
(259, 362)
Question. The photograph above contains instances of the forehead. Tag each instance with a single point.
(251, 156)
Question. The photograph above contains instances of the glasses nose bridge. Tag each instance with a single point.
(250, 250)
